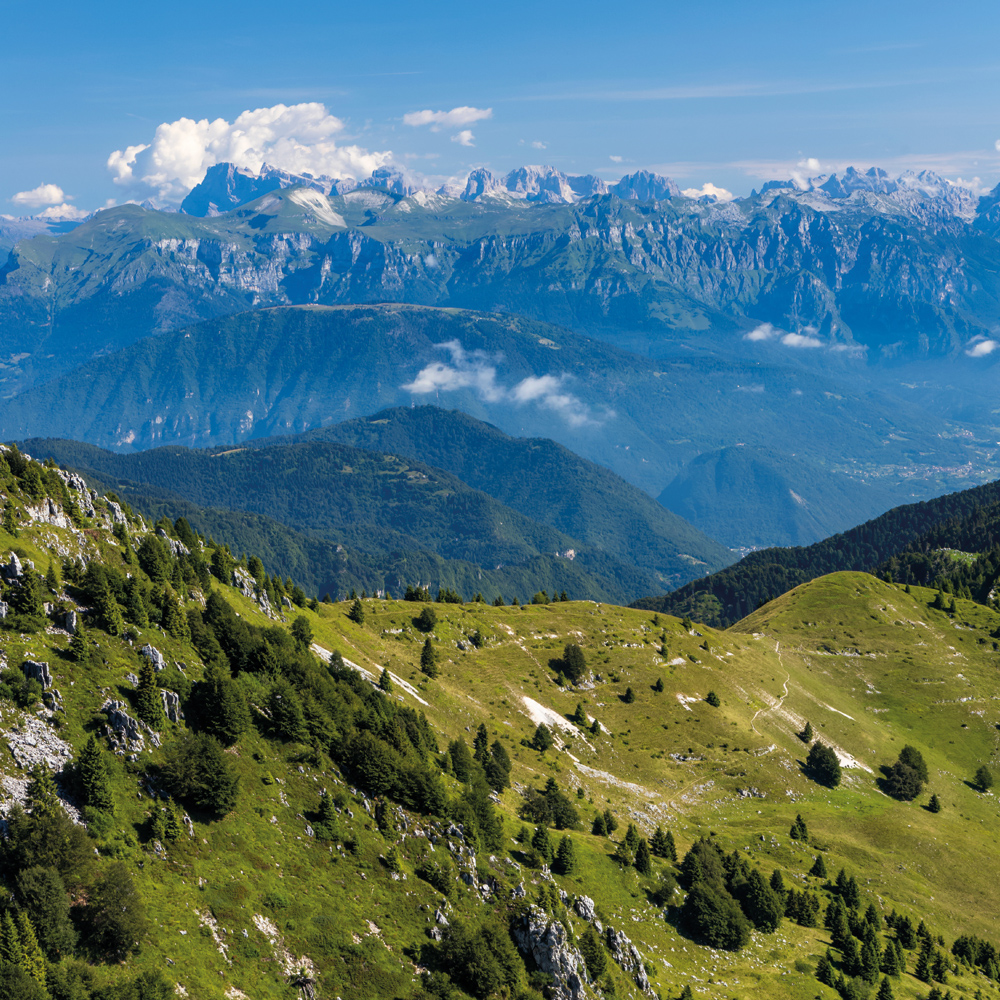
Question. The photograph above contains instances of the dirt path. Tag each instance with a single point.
(781, 700)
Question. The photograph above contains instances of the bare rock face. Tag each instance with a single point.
(13, 570)
(627, 956)
(547, 943)
(67, 621)
(176, 548)
(171, 705)
(125, 732)
(154, 656)
(38, 672)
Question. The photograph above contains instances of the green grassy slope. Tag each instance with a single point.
(871, 667)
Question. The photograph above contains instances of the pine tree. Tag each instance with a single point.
(934, 805)
(481, 745)
(598, 828)
(818, 869)
(93, 771)
(824, 970)
(385, 681)
(629, 696)
(799, 831)
(871, 958)
(135, 603)
(807, 734)
(885, 990)
(541, 844)
(33, 961)
(52, 578)
(43, 795)
(10, 942)
(111, 614)
(923, 967)
(643, 858)
(658, 843)
(565, 862)
(148, 700)
(357, 612)
(9, 521)
(890, 961)
(173, 618)
(852, 956)
(428, 659)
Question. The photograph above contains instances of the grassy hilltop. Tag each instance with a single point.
(342, 890)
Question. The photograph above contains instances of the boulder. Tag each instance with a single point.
(244, 583)
(38, 672)
(13, 569)
(67, 621)
(154, 656)
(125, 732)
(4, 610)
(547, 942)
(176, 548)
(584, 907)
(627, 956)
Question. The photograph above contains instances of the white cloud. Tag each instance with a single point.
(615, 159)
(299, 138)
(765, 331)
(538, 144)
(800, 340)
(44, 194)
(996, 145)
(476, 371)
(63, 211)
(464, 138)
(810, 163)
(720, 194)
(980, 348)
(447, 119)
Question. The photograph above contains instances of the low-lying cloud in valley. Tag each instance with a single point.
(476, 371)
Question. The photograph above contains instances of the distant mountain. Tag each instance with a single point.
(882, 543)
(13, 230)
(402, 522)
(542, 480)
(871, 279)
(279, 371)
(755, 497)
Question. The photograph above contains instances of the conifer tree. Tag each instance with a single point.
(498, 767)
(871, 958)
(385, 681)
(851, 955)
(223, 707)
(481, 745)
(111, 615)
(807, 734)
(52, 578)
(43, 795)
(135, 603)
(890, 961)
(357, 612)
(148, 700)
(10, 942)
(760, 903)
(923, 967)
(9, 521)
(824, 969)
(78, 647)
(94, 777)
(643, 858)
(598, 828)
(541, 844)
(799, 831)
(934, 805)
(818, 869)
(33, 961)
(565, 861)
(885, 990)
(428, 659)
(173, 618)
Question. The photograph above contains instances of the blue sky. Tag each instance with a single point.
(727, 93)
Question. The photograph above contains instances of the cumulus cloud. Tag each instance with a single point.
(615, 159)
(766, 331)
(455, 118)
(464, 138)
(299, 138)
(810, 163)
(710, 190)
(979, 348)
(476, 371)
(63, 211)
(996, 145)
(44, 194)
(538, 144)
(801, 340)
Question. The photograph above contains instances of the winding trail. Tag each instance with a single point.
(781, 700)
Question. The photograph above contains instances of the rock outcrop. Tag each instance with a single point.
(154, 656)
(171, 705)
(546, 941)
(37, 671)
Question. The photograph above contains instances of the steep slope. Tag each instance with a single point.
(403, 521)
(725, 597)
(286, 370)
(539, 478)
(752, 497)
(340, 850)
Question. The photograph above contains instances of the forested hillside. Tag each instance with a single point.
(403, 520)
(733, 593)
(539, 478)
